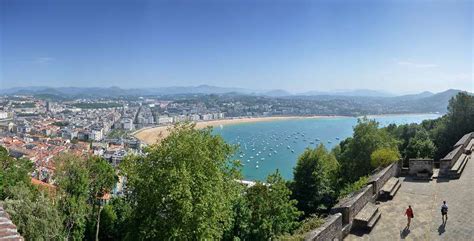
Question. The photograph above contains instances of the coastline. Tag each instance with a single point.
(399, 114)
(154, 134)
(151, 135)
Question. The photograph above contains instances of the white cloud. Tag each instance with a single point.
(43, 60)
(416, 65)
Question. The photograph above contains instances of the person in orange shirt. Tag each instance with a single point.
(409, 214)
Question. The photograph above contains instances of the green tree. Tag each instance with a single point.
(115, 220)
(36, 215)
(384, 156)
(102, 180)
(404, 133)
(183, 187)
(456, 123)
(420, 146)
(315, 177)
(356, 150)
(12, 172)
(72, 179)
(273, 212)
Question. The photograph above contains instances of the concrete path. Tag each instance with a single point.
(426, 198)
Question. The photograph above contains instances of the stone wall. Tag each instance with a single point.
(330, 230)
(448, 161)
(350, 206)
(381, 177)
(464, 141)
(419, 165)
(339, 223)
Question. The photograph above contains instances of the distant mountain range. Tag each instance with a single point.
(368, 100)
(359, 92)
(201, 89)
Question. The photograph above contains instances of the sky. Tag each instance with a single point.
(398, 46)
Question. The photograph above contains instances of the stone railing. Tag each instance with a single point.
(381, 177)
(343, 213)
(350, 206)
(450, 159)
(330, 230)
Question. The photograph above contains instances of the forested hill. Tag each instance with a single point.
(425, 102)
(432, 103)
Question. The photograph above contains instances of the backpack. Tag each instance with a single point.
(444, 209)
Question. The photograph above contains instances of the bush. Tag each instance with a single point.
(353, 187)
(308, 224)
(383, 157)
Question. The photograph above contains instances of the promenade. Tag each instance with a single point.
(426, 198)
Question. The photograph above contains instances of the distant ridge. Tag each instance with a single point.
(358, 92)
(208, 89)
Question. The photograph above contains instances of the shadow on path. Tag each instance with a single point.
(413, 179)
(404, 233)
(442, 228)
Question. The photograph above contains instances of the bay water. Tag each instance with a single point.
(264, 147)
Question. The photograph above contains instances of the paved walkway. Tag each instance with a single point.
(426, 199)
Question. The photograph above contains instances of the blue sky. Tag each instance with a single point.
(398, 46)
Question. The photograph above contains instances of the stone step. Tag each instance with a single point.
(4, 226)
(435, 174)
(456, 170)
(458, 163)
(374, 220)
(390, 185)
(12, 238)
(366, 214)
(395, 190)
(9, 233)
(463, 165)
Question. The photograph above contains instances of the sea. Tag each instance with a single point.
(264, 147)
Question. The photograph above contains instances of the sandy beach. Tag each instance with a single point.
(152, 135)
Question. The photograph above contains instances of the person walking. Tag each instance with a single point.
(409, 214)
(444, 212)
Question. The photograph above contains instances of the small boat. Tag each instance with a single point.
(248, 160)
(256, 166)
(312, 142)
(251, 157)
(241, 156)
(293, 151)
(288, 147)
(263, 158)
(329, 141)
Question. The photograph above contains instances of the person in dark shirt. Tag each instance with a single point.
(444, 212)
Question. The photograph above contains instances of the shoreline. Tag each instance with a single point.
(151, 135)
(399, 114)
(154, 134)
